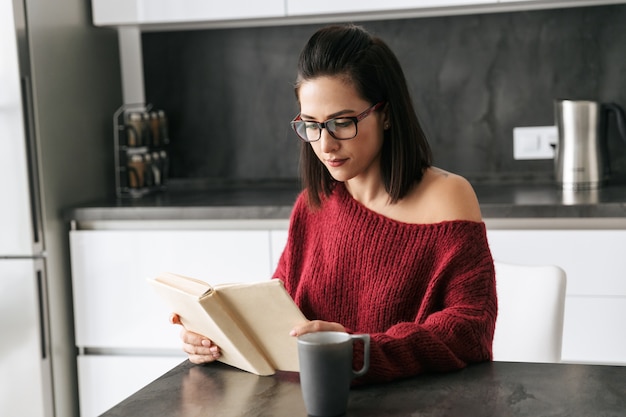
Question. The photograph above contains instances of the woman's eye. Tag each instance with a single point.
(311, 126)
(342, 123)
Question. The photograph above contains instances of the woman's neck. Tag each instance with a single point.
(371, 194)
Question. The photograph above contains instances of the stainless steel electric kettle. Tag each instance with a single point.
(581, 159)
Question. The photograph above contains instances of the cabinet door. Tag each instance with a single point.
(24, 363)
(278, 239)
(594, 330)
(114, 305)
(593, 259)
(105, 381)
(115, 12)
(299, 7)
(171, 11)
(137, 12)
(595, 304)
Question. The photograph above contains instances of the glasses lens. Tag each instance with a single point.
(342, 128)
(308, 131)
(311, 131)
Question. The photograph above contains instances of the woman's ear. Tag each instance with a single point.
(386, 117)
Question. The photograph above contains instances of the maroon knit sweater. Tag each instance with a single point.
(424, 292)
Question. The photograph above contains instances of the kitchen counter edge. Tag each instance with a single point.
(505, 205)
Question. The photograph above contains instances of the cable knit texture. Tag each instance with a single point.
(424, 292)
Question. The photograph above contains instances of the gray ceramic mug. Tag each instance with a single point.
(326, 370)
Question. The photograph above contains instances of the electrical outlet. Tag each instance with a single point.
(536, 142)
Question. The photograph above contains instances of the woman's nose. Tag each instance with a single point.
(327, 142)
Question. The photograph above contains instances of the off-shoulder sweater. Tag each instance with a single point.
(424, 292)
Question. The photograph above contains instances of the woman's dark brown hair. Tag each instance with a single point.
(367, 62)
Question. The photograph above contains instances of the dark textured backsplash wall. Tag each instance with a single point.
(229, 92)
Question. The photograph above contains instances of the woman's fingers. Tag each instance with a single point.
(200, 349)
(316, 326)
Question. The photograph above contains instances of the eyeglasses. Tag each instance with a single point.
(340, 128)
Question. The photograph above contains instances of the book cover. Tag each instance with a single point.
(250, 322)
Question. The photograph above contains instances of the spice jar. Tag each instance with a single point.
(135, 127)
(136, 170)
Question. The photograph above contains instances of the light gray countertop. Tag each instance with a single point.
(274, 200)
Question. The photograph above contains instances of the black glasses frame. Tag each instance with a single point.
(323, 125)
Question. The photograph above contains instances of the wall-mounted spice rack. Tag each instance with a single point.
(141, 155)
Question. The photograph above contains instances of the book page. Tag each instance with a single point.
(188, 285)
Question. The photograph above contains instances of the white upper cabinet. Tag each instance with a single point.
(181, 14)
(114, 12)
(300, 7)
(566, 3)
(147, 12)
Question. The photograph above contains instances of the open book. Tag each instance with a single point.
(250, 322)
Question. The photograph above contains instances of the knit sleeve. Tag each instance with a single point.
(456, 320)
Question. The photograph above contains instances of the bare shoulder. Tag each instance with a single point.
(442, 196)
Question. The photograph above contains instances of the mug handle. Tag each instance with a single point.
(366, 354)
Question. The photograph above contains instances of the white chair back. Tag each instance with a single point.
(531, 302)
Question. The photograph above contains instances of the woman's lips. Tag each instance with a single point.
(336, 162)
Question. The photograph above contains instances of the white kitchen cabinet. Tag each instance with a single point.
(278, 239)
(168, 14)
(556, 3)
(119, 317)
(594, 330)
(130, 374)
(299, 7)
(24, 344)
(145, 12)
(115, 306)
(158, 12)
(593, 259)
(595, 302)
(368, 9)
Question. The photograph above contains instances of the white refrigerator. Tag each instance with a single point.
(59, 86)
(25, 366)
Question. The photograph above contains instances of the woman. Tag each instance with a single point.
(380, 242)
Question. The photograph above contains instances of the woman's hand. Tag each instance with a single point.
(199, 348)
(316, 326)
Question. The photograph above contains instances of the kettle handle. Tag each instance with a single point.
(619, 117)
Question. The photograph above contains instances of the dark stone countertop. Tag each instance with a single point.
(273, 200)
(488, 389)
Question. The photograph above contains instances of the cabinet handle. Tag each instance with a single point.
(43, 313)
(33, 171)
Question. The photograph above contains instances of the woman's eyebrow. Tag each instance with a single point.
(332, 116)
